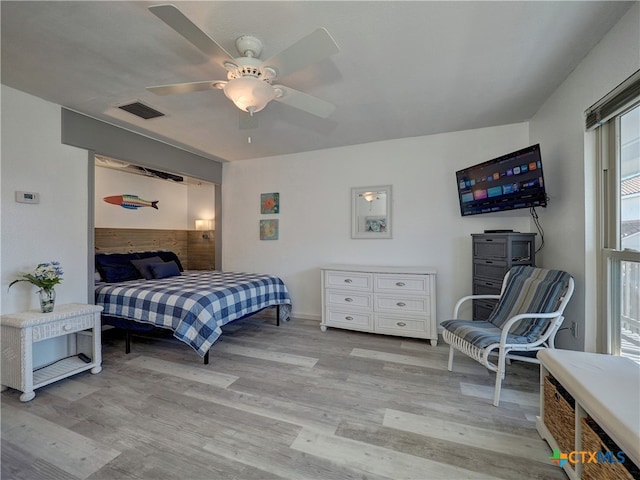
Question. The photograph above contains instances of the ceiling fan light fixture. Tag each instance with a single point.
(249, 93)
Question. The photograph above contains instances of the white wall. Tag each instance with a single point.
(570, 172)
(179, 204)
(200, 203)
(33, 159)
(315, 206)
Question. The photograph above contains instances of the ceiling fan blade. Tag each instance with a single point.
(305, 102)
(173, 17)
(183, 87)
(316, 46)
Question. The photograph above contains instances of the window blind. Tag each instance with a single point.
(614, 102)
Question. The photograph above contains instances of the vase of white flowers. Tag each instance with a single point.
(45, 277)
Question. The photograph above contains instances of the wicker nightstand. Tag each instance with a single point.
(79, 322)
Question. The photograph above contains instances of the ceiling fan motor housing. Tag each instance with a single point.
(249, 66)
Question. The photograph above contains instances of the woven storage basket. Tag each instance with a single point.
(559, 414)
(594, 439)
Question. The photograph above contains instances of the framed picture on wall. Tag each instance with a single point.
(269, 229)
(270, 203)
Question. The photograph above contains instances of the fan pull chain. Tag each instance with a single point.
(250, 110)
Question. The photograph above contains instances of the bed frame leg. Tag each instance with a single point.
(278, 315)
(206, 358)
(127, 342)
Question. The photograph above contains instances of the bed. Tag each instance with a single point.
(151, 289)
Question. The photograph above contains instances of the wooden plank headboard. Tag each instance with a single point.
(195, 251)
(127, 240)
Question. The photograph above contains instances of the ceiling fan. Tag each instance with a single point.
(249, 83)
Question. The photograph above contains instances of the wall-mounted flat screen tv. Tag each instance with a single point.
(509, 182)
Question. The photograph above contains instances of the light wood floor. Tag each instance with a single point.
(286, 402)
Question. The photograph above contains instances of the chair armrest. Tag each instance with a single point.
(507, 326)
(471, 297)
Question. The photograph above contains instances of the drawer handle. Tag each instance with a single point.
(400, 284)
(401, 324)
(488, 261)
(348, 280)
(66, 328)
(348, 318)
(401, 304)
(348, 299)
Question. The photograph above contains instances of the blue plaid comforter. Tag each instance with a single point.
(196, 304)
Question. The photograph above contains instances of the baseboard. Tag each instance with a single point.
(306, 316)
(271, 312)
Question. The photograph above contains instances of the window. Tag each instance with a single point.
(619, 139)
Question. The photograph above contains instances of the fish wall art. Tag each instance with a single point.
(132, 202)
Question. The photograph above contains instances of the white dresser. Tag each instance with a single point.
(387, 300)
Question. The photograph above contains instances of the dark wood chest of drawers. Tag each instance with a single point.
(493, 255)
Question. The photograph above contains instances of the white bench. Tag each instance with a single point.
(605, 388)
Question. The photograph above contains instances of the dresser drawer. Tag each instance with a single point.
(350, 319)
(400, 304)
(487, 287)
(62, 327)
(404, 326)
(350, 299)
(349, 280)
(519, 248)
(482, 309)
(489, 247)
(491, 269)
(418, 284)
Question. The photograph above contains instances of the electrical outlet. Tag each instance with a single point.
(574, 329)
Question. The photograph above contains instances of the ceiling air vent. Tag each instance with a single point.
(141, 110)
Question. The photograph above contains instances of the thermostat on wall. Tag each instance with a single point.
(27, 197)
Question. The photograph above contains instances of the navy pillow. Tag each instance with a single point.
(143, 266)
(117, 267)
(165, 269)
(164, 255)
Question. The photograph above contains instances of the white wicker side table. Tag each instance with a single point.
(80, 323)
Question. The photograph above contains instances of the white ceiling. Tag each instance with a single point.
(405, 68)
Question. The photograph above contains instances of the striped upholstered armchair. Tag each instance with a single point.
(526, 319)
